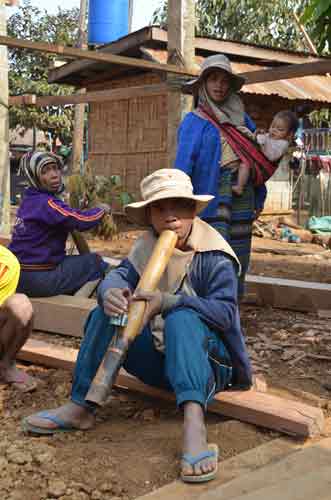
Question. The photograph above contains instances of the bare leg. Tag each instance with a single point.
(16, 326)
(71, 413)
(243, 174)
(195, 439)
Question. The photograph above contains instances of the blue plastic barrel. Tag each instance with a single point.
(108, 20)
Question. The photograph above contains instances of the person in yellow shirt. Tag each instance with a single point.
(16, 315)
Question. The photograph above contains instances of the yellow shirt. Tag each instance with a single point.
(9, 274)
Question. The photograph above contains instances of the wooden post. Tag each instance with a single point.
(181, 51)
(130, 15)
(4, 132)
(79, 116)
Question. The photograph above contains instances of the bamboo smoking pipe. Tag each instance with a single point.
(117, 350)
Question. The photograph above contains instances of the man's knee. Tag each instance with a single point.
(19, 309)
(181, 323)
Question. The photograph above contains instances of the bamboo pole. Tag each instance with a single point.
(4, 130)
(181, 51)
(94, 55)
(79, 112)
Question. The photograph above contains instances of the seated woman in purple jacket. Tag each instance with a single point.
(42, 226)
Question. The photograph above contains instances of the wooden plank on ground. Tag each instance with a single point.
(88, 289)
(276, 212)
(290, 294)
(63, 314)
(297, 250)
(323, 313)
(265, 410)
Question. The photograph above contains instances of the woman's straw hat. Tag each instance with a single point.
(161, 185)
(212, 63)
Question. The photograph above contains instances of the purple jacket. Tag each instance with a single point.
(42, 225)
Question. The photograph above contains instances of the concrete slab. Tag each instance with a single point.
(277, 478)
(314, 485)
(229, 469)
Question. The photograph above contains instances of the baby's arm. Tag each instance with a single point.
(273, 149)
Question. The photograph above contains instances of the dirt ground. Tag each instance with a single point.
(135, 447)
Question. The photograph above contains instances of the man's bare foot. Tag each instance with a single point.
(238, 190)
(195, 440)
(71, 414)
(17, 378)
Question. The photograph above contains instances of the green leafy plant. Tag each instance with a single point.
(88, 190)
(318, 14)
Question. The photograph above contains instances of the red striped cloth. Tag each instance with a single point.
(262, 168)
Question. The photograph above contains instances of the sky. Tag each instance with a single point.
(142, 9)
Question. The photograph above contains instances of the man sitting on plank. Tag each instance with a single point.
(191, 342)
(15, 323)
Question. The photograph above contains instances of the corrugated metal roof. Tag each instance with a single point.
(310, 88)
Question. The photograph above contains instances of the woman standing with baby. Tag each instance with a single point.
(215, 143)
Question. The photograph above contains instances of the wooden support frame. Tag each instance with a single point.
(22, 100)
(96, 96)
(93, 55)
(288, 72)
(268, 75)
(258, 408)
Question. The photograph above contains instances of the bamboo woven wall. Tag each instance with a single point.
(129, 137)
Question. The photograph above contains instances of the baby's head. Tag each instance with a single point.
(168, 203)
(283, 126)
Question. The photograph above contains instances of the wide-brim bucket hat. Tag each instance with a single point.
(161, 185)
(212, 63)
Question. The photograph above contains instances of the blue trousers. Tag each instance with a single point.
(68, 276)
(195, 364)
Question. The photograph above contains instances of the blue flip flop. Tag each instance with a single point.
(62, 426)
(195, 459)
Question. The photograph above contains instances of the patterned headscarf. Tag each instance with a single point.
(230, 110)
(32, 163)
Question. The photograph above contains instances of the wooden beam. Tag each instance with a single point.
(288, 72)
(294, 295)
(93, 55)
(96, 96)
(181, 24)
(4, 130)
(63, 314)
(22, 100)
(153, 34)
(285, 72)
(265, 410)
(125, 44)
(240, 49)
